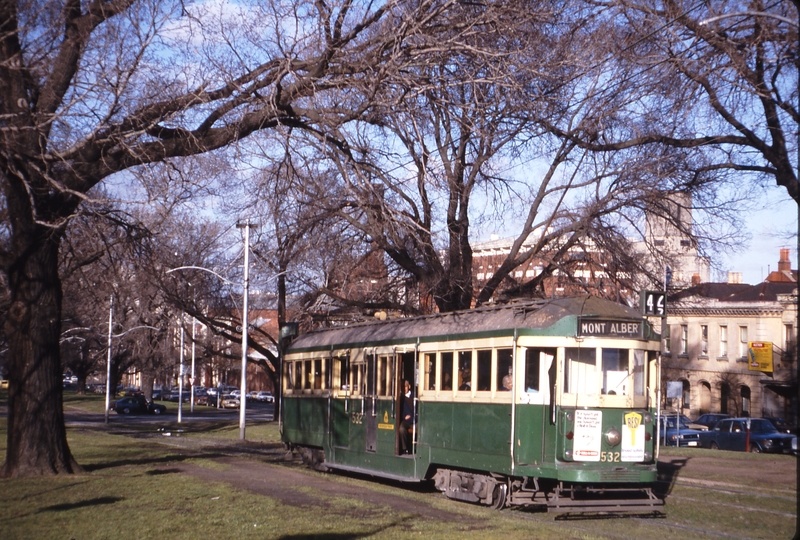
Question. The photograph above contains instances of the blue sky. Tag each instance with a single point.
(770, 227)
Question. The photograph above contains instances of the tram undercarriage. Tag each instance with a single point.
(498, 492)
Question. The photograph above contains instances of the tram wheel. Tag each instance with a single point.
(499, 496)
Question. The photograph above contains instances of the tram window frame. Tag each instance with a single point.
(385, 378)
(533, 367)
(319, 375)
(483, 370)
(505, 368)
(308, 375)
(380, 389)
(612, 359)
(465, 371)
(429, 366)
(356, 376)
(298, 376)
(343, 373)
(638, 372)
(586, 377)
(448, 357)
(288, 377)
(371, 383)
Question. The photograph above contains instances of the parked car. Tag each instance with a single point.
(710, 419)
(137, 404)
(673, 431)
(230, 401)
(731, 434)
(693, 425)
(782, 425)
(251, 396)
(236, 392)
(265, 397)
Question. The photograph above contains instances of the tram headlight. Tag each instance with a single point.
(613, 436)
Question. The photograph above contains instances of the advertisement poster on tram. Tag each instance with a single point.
(588, 435)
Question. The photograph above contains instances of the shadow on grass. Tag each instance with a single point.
(344, 536)
(159, 472)
(172, 458)
(82, 504)
(668, 472)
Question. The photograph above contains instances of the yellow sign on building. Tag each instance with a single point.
(759, 356)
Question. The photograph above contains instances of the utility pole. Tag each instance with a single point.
(246, 285)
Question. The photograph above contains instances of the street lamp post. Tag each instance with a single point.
(108, 369)
(180, 377)
(191, 380)
(246, 284)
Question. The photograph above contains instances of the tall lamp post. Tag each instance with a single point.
(243, 397)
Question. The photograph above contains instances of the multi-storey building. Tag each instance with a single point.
(710, 329)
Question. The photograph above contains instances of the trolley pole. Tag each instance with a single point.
(246, 284)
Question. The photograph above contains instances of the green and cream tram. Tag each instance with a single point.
(543, 403)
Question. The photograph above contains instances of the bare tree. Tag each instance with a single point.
(718, 78)
(96, 88)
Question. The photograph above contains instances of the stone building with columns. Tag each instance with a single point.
(711, 328)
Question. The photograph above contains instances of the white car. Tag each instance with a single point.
(266, 397)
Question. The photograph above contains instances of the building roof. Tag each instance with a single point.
(718, 291)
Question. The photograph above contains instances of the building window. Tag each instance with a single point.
(684, 340)
(742, 342)
(723, 341)
(788, 336)
(667, 345)
(704, 340)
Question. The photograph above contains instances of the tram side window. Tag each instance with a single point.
(532, 370)
(371, 375)
(344, 372)
(579, 371)
(447, 371)
(289, 375)
(638, 372)
(355, 378)
(385, 370)
(309, 374)
(615, 371)
(465, 370)
(484, 370)
(298, 375)
(505, 374)
(430, 371)
(318, 376)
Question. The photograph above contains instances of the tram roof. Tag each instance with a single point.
(529, 317)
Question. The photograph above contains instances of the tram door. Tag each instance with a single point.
(406, 371)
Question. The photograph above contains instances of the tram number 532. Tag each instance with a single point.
(611, 457)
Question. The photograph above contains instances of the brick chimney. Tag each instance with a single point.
(784, 264)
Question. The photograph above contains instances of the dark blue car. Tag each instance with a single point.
(731, 434)
(674, 431)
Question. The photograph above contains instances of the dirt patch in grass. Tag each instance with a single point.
(295, 487)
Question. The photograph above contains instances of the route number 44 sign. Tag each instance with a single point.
(654, 303)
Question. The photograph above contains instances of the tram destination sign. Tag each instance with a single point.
(609, 328)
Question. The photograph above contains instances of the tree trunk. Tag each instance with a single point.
(37, 437)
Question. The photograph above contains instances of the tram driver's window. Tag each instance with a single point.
(638, 372)
(447, 371)
(289, 368)
(579, 371)
(430, 371)
(615, 371)
(505, 373)
(532, 359)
